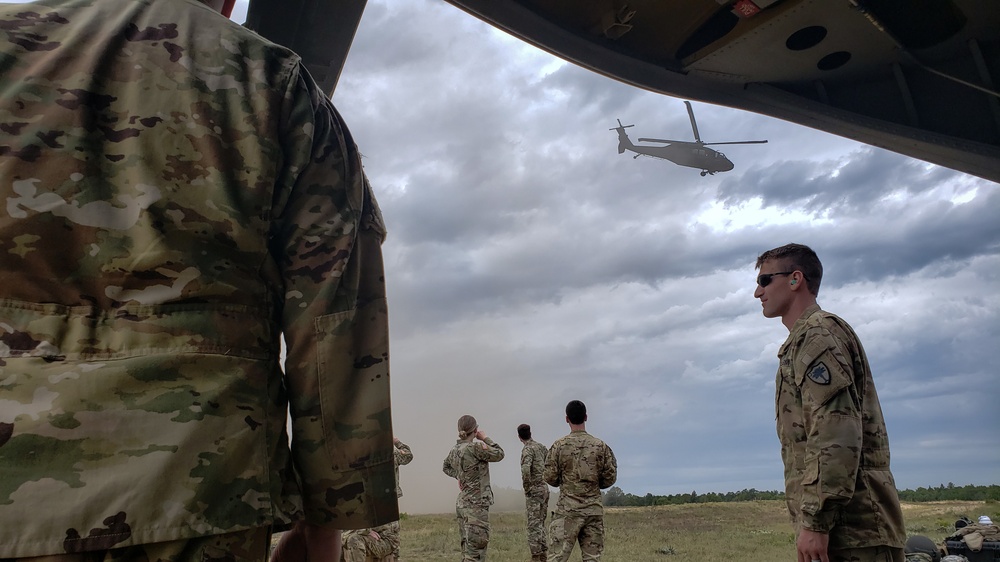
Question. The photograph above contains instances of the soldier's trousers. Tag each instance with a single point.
(357, 546)
(869, 554)
(536, 506)
(252, 545)
(566, 530)
(474, 528)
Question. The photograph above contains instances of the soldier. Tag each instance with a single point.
(840, 492)
(376, 543)
(401, 454)
(536, 491)
(180, 197)
(468, 462)
(580, 465)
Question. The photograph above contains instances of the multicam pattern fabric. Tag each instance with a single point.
(536, 509)
(580, 465)
(468, 462)
(360, 545)
(401, 454)
(833, 438)
(566, 531)
(536, 496)
(474, 531)
(177, 195)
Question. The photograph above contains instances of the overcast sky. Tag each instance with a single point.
(529, 264)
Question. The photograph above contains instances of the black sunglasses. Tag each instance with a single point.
(764, 279)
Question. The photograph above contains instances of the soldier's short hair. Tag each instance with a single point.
(800, 257)
(524, 431)
(576, 412)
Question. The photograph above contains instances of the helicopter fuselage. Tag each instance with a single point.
(687, 154)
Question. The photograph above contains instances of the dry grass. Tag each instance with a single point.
(746, 531)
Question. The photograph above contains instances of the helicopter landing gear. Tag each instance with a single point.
(703, 172)
(636, 156)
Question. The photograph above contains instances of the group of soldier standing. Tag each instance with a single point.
(579, 464)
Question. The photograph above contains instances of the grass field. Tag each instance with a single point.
(745, 531)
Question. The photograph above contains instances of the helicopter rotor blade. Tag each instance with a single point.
(694, 125)
(737, 142)
(620, 126)
(664, 140)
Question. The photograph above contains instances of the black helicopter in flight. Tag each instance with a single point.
(683, 153)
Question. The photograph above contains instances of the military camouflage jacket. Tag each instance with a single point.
(580, 465)
(469, 463)
(177, 196)
(401, 454)
(833, 438)
(388, 533)
(532, 464)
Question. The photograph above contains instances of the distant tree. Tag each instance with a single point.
(614, 497)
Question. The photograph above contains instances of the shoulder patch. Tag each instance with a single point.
(819, 374)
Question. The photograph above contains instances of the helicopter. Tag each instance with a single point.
(683, 153)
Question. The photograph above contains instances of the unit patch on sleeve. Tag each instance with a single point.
(819, 374)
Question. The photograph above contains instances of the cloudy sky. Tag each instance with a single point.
(529, 264)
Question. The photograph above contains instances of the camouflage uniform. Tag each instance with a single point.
(468, 462)
(360, 544)
(536, 496)
(177, 196)
(580, 465)
(401, 454)
(833, 439)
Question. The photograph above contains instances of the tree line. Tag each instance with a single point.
(615, 496)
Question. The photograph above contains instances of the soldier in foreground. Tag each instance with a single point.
(468, 462)
(536, 491)
(179, 197)
(580, 465)
(840, 492)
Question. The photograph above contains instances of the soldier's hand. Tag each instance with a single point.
(308, 543)
(480, 434)
(812, 546)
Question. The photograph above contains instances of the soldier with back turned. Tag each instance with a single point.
(580, 465)
(536, 491)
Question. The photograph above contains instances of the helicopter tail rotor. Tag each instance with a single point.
(620, 126)
(624, 143)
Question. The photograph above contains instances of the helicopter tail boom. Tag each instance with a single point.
(624, 143)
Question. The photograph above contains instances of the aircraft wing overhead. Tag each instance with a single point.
(320, 31)
(918, 78)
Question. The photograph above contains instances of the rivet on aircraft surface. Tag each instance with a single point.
(683, 153)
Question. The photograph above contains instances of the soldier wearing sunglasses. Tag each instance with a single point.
(840, 492)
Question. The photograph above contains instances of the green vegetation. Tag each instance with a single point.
(616, 497)
(749, 531)
(951, 492)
